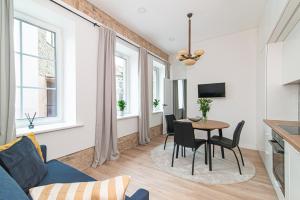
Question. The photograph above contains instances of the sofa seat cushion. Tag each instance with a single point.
(9, 189)
(59, 172)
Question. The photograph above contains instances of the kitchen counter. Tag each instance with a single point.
(277, 126)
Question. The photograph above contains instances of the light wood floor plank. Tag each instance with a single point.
(137, 163)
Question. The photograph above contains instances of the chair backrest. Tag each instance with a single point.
(170, 123)
(237, 133)
(184, 134)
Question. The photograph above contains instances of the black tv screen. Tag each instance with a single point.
(211, 90)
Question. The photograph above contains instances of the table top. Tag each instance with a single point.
(208, 124)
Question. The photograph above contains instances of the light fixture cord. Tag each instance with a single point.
(189, 36)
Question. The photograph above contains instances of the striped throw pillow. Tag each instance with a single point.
(111, 189)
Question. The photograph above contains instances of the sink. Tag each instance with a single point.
(292, 130)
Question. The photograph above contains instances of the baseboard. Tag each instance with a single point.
(83, 159)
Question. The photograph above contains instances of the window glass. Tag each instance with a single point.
(127, 87)
(180, 95)
(35, 64)
(121, 78)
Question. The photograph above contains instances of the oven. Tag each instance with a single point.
(278, 159)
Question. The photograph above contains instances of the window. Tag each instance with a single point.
(126, 61)
(158, 76)
(36, 71)
(156, 82)
(121, 80)
(180, 94)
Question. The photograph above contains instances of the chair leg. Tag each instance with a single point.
(241, 155)
(237, 160)
(177, 150)
(205, 153)
(166, 142)
(173, 155)
(213, 150)
(182, 154)
(193, 162)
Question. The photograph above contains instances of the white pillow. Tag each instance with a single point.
(111, 189)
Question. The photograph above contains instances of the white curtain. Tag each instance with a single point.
(106, 116)
(7, 73)
(144, 130)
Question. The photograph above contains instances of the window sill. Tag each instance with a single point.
(157, 111)
(127, 116)
(39, 129)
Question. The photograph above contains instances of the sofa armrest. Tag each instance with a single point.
(140, 194)
(9, 189)
(44, 152)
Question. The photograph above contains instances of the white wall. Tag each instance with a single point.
(282, 100)
(272, 13)
(261, 90)
(230, 59)
(64, 142)
(177, 70)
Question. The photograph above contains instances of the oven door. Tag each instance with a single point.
(278, 163)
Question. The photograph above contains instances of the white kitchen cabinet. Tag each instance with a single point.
(292, 172)
(272, 14)
(268, 151)
(291, 58)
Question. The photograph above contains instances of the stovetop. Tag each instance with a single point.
(292, 130)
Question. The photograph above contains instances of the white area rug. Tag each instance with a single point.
(225, 171)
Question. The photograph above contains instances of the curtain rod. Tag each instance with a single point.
(68, 9)
(97, 25)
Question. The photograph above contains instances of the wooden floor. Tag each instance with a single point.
(137, 163)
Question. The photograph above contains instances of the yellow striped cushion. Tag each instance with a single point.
(111, 189)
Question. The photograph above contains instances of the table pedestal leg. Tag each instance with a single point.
(222, 148)
(209, 151)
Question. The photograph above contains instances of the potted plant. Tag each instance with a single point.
(156, 103)
(204, 104)
(122, 106)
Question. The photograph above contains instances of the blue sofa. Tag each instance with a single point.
(58, 172)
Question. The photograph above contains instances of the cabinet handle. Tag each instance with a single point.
(276, 147)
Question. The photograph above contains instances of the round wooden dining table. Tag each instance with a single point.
(208, 126)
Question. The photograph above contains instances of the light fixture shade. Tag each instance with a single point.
(199, 52)
(189, 61)
(183, 52)
(179, 57)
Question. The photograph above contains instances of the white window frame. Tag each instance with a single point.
(20, 123)
(160, 76)
(127, 82)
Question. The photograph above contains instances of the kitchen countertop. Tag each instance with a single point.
(293, 140)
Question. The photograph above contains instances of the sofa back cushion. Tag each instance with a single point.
(9, 189)
(33, 139)
(24, 164)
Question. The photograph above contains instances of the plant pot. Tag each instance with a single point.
(204, 116)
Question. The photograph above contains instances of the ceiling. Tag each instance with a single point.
(164, 22)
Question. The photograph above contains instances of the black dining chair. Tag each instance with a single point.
(170, 127)
(230, 144)
(185, 137)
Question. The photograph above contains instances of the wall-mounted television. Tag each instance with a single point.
(211, 90)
